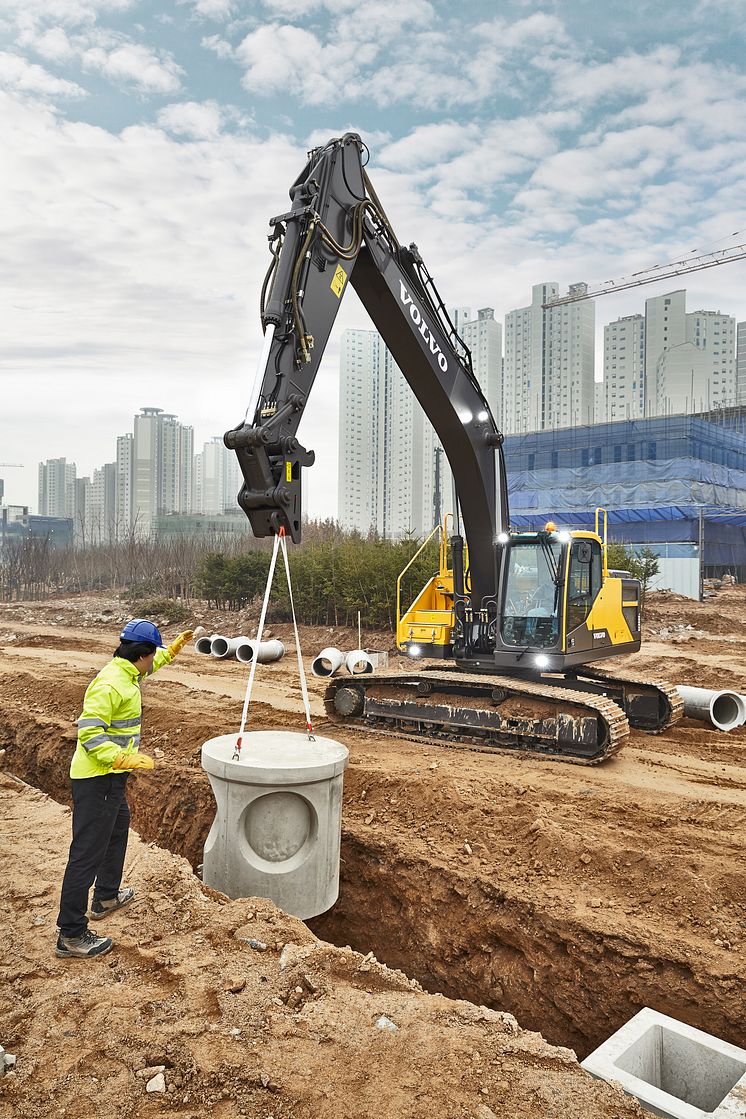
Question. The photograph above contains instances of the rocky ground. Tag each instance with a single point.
(566, 896)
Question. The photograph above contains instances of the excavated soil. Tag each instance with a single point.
(567, 896)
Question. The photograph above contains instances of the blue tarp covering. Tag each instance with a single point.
(685, 482)
(576, 518)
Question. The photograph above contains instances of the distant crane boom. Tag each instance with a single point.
(652, 275)
(18, 464)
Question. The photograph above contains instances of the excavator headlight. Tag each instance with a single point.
(541, 660)
(465, 416)
(503, 538)
(483, 417)
(414, 650)
(564, 537)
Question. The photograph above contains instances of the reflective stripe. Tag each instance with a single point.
(120, 734)
(99, 740)
(125, 722)
(82, 723)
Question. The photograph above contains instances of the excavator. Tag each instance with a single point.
(512, 627)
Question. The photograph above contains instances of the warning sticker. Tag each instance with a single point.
(288, 471)
(338, 280)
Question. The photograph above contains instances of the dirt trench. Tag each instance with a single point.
(470, 928)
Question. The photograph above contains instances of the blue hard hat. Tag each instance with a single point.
(139, 629)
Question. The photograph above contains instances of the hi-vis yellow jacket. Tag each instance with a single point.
(109, 723)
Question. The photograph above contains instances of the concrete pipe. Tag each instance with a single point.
(358, 663)
(328, 662)
(264, 652)
(203, 644)
(223, 647)
(724, 709)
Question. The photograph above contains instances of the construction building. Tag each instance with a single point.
(549, 378)
(393, 476)
(153, 471)
(57, 488)
(216, 479)
(676, 484)
(17, 524)
(172, 526)
(669, 361)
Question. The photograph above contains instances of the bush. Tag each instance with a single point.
(164, 608)
(332, 579)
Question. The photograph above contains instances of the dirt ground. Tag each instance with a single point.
(492, 885)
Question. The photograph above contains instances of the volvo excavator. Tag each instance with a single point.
(515, 622)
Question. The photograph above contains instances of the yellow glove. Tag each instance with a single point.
(134, 760)
(179, 642)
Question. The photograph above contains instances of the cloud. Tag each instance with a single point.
(377, 49)
(26, 77)
(277, 56)
(630, 75)
(212, 9)
(130, 63)
(194, 119)
(219, 46)
(429, 144)
(67, 31)
(54, 45)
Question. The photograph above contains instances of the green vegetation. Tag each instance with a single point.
(332, 579)
(334, 574)
(643, 566)
(160, 608)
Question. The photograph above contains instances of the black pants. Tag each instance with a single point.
(101, 820)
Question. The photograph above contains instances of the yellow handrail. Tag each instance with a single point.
(423, 545)
(600, 509)
(443, 559)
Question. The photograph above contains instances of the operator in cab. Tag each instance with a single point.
(107, 752)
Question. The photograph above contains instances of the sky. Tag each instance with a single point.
(145, 145)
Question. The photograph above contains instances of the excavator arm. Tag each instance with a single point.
(335, 234)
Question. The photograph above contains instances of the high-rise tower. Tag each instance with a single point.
(549, 362)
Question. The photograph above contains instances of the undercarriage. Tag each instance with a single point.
(585, 719)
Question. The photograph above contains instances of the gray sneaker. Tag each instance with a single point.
(100, 909)
(84, 946)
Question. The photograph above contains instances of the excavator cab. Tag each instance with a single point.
(558, 606)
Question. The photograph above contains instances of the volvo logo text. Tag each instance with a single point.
(416, 316)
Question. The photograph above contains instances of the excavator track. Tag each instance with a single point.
(494, 714)
(650, 705)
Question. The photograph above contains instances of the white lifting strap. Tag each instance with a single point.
(279, 542)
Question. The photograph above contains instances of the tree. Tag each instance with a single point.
(645, 566)
(619, 558)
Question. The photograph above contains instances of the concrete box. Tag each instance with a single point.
(278, 824)
(673, 1069)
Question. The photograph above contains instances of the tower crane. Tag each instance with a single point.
(652, 275)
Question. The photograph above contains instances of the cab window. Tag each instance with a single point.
(531, 607)
(584, 580)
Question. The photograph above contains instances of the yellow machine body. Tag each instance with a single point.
(595, 613)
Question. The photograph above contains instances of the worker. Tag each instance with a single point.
(107, 752)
